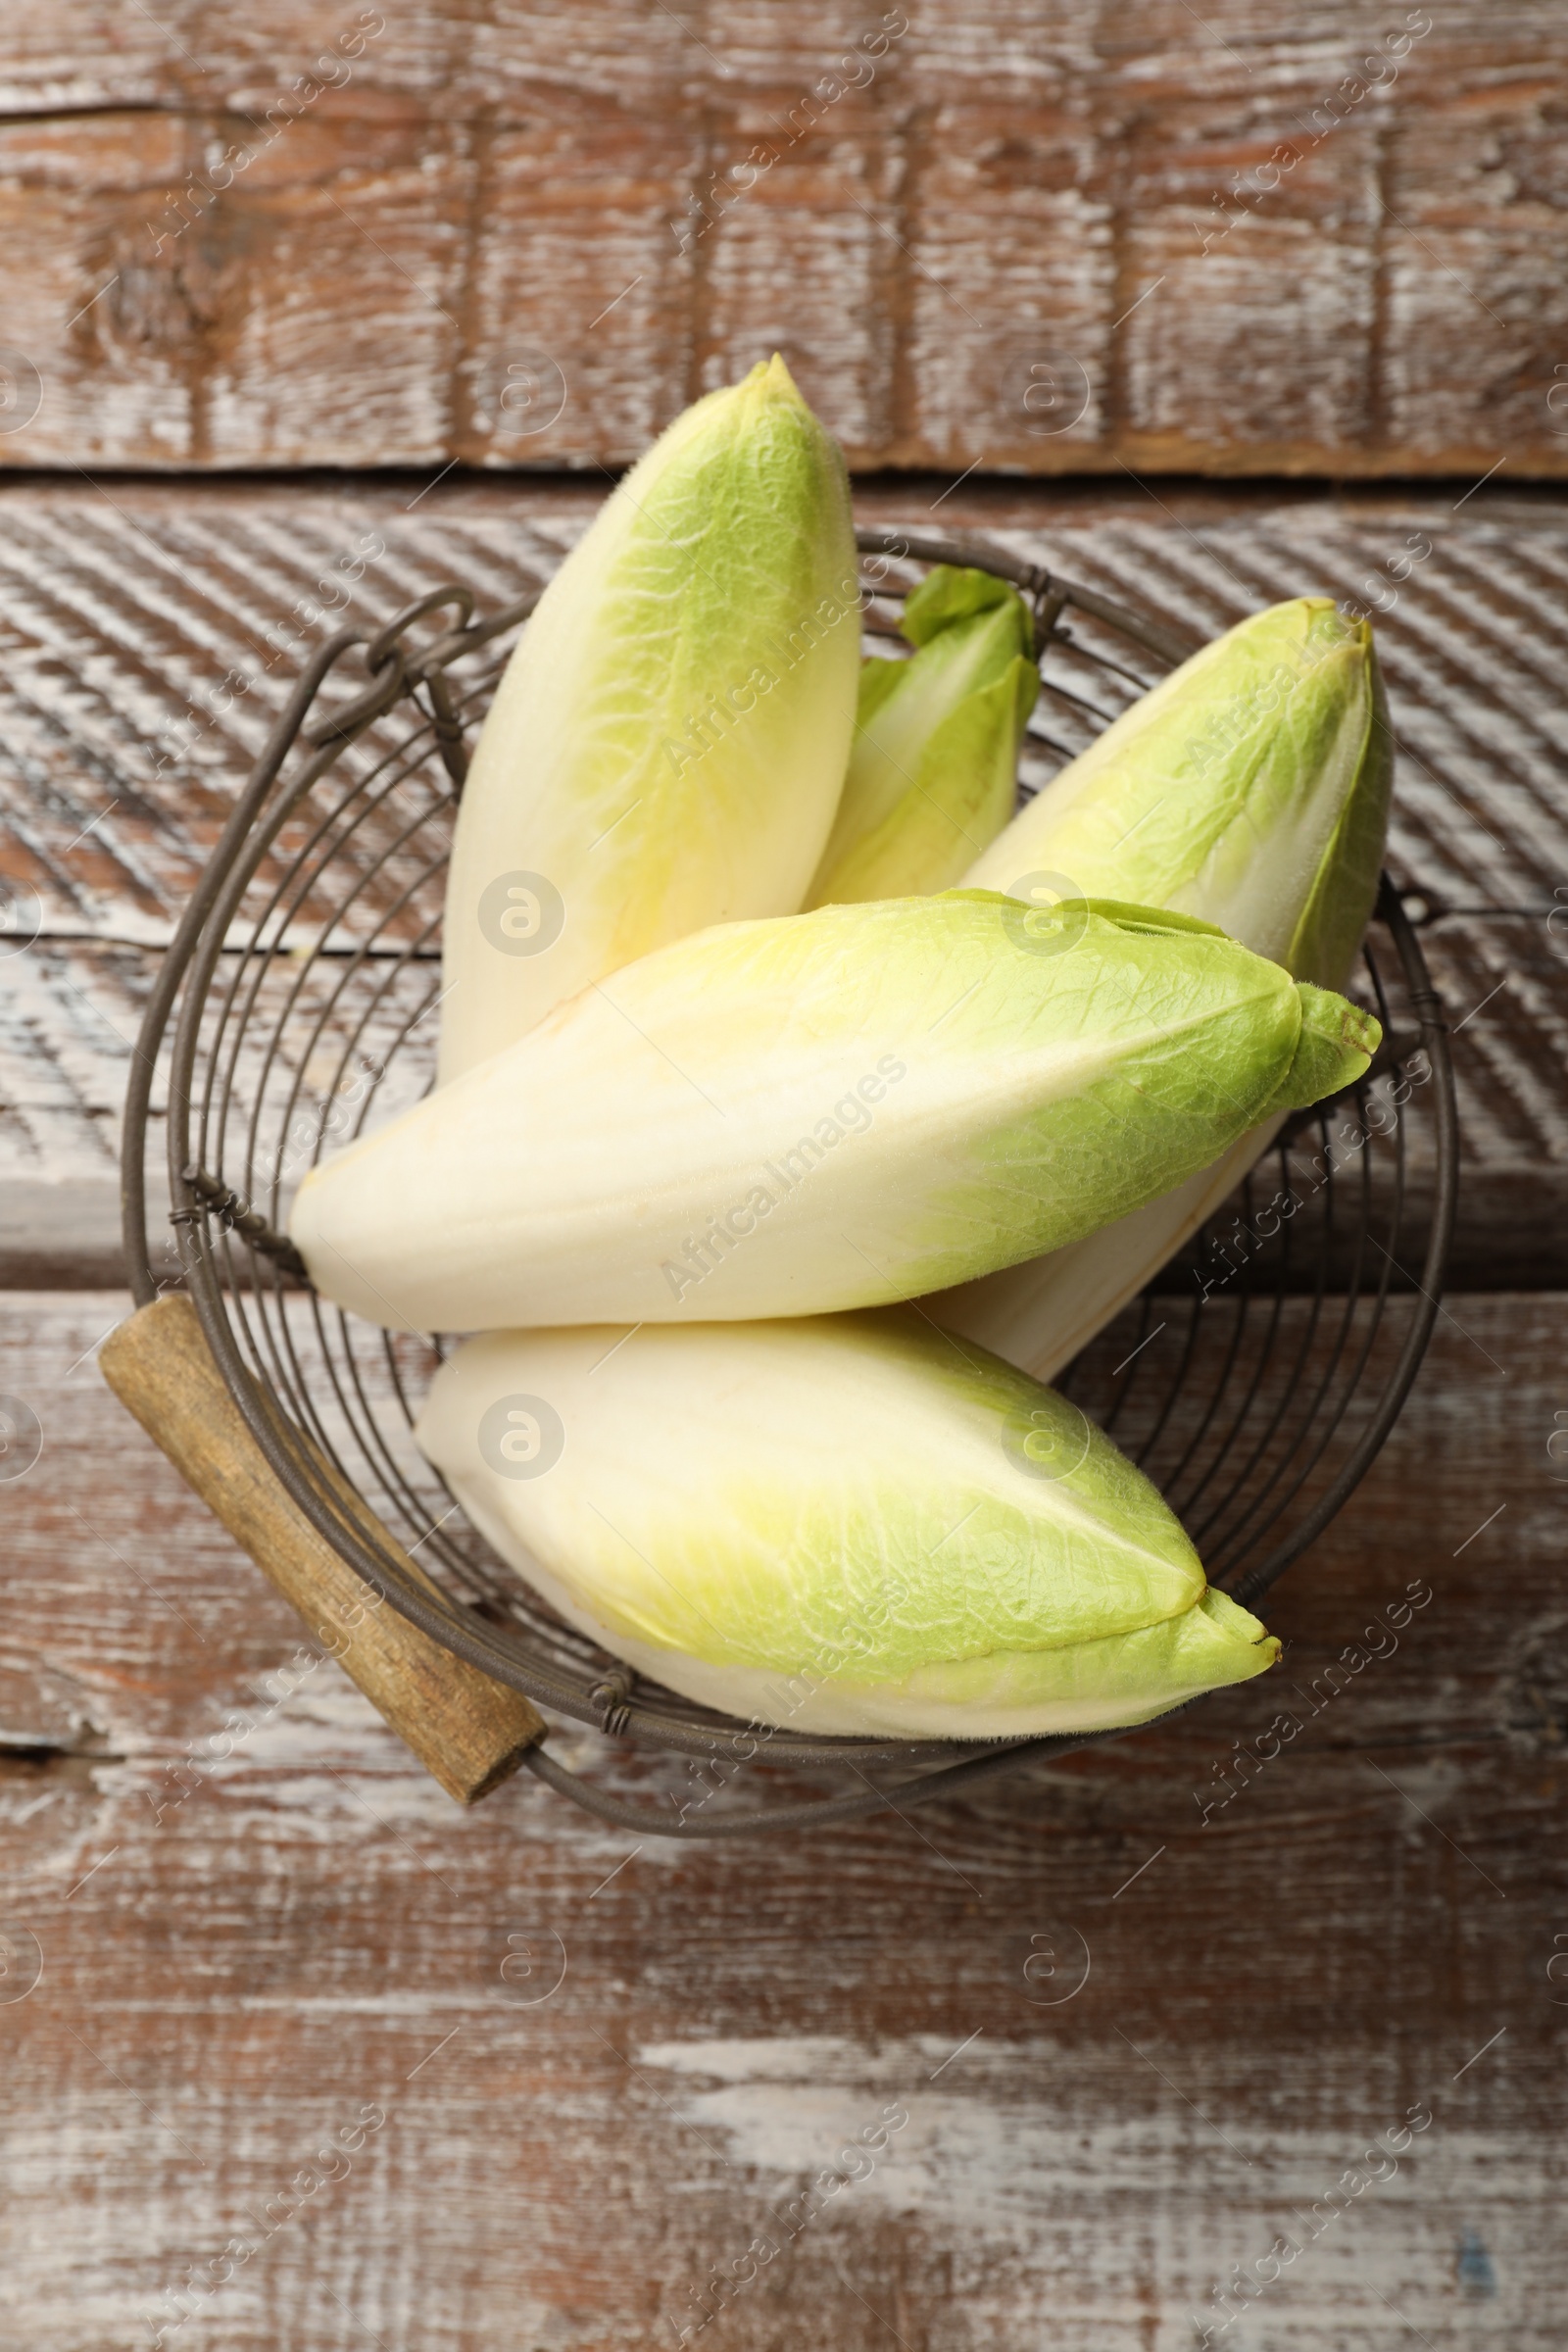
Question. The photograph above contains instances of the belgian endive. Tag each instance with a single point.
(666, 746)
(934, 766)
(1249, 788)
(846, 1523)
(832, 1110)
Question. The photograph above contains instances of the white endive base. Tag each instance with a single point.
(1040, 1314)
(802, 1703)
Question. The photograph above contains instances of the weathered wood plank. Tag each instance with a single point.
(194, 1615)
(1026, 236)
(467, 1730)
(151, 634)
(292, 2005)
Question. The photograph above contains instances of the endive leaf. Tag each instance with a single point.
(847, 1524)
(666, 746)
(962, 794)
(1041, 1314)
(1251, 787)
(828, 1111)
(933, 769)
(950, 593)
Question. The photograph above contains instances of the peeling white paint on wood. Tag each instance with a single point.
(313, 1929)
(1261, 251)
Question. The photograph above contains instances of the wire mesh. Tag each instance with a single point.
(1255, 1381)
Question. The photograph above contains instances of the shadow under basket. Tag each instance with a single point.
(1255, 1381)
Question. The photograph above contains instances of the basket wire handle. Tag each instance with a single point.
(467, 1730)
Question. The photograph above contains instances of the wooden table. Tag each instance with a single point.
(297, 2054)
(1029, 234)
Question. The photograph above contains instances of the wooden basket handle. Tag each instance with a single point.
(466, 1730)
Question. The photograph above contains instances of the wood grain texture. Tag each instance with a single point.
(455, 2081)
(150, 634)
(466, 1730)
(1026, 234)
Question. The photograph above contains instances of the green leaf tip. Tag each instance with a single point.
(933, 770)
(947, 595)
(1336, 1046)
(666, 747)
(773, 378)
(1250, 786)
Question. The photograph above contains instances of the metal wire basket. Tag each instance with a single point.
(1255, 1381)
